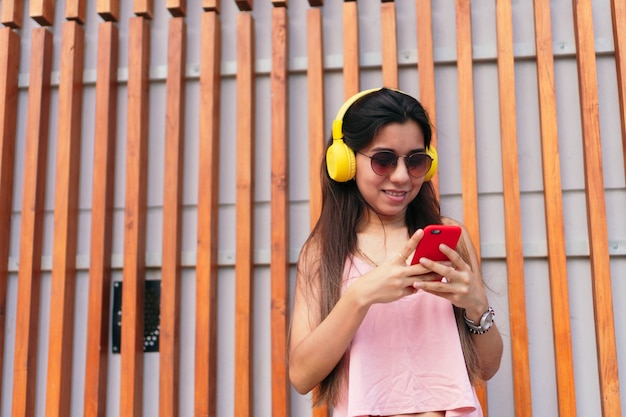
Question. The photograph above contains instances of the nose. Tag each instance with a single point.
(401, 173)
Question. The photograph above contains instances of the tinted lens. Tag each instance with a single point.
(384, 162)
(418, 164)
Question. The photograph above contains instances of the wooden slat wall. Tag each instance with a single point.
(279, 264)
(9, 71)
(59, 347)
(101, 222)
(208, 187)
(563, 354)
(596, 210)
(31, 233)
(131, 387)
(244, 268)
(512, 210)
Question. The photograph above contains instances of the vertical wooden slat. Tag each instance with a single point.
(177, 8)
(76, 10)
(279, 263)
(389, 44)
(144, 8)
(467, 136)
(135, 218)
(426, 67)
(512, 211)
(315, 79)
(31, 233)
(596, 210)
(42, 12)
(65, 221)
(208, 197)
(244, 5)
(9, 72)
(169, 331)
(211, 6)
(557, 263)
(101, 222)
(618, 13)
(12, 13)
(244, 268)
(108, 10)
(350, 49)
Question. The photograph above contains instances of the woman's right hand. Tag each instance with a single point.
(392, 279)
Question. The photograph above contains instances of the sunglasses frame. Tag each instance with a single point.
(394, 164)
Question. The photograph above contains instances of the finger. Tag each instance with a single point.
(410, 246)
(455, 258)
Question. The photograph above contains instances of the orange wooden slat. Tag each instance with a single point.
(315, 79)
(42, 12)
(65, 221)
(279, 202)
(31, 232)
(12, 13)
(76, 10)
(177, 8)
(211, 5)
(206, 265)
(131, 386)
(559, 293)
(244, 268)
(9, 72)
(389, 44)
(144, 8)
(426, 67)
(467, 136)
(108, 10)
(169, 330)
(350, 49)
(512, 210)
(244, 5)
(618, 13)
(101, 222)
(596, 210)
(208, 209)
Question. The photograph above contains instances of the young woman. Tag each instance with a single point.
(372, 335)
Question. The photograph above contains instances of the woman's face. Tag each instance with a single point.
(389, 195)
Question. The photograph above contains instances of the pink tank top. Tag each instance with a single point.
(405, 358)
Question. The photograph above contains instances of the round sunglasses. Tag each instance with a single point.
(385, 162)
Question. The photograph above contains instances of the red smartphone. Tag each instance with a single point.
(434, 235)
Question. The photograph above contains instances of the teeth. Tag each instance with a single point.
(395, 194)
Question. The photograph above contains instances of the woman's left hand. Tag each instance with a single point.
(461, 286)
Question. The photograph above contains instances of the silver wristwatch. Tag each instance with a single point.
(486, 320)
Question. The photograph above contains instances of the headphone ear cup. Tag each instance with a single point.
(340, 161)
(432, 152)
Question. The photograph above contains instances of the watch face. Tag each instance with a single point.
(487, 320)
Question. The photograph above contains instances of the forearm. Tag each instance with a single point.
(315, 356)
(489, 350)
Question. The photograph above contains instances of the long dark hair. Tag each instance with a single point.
(334, 236)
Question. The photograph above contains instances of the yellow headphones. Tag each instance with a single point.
(340, 158)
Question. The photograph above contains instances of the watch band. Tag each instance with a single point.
(486, 320)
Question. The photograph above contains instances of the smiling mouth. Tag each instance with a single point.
(395, 193)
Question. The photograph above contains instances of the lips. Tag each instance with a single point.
(395, 195)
